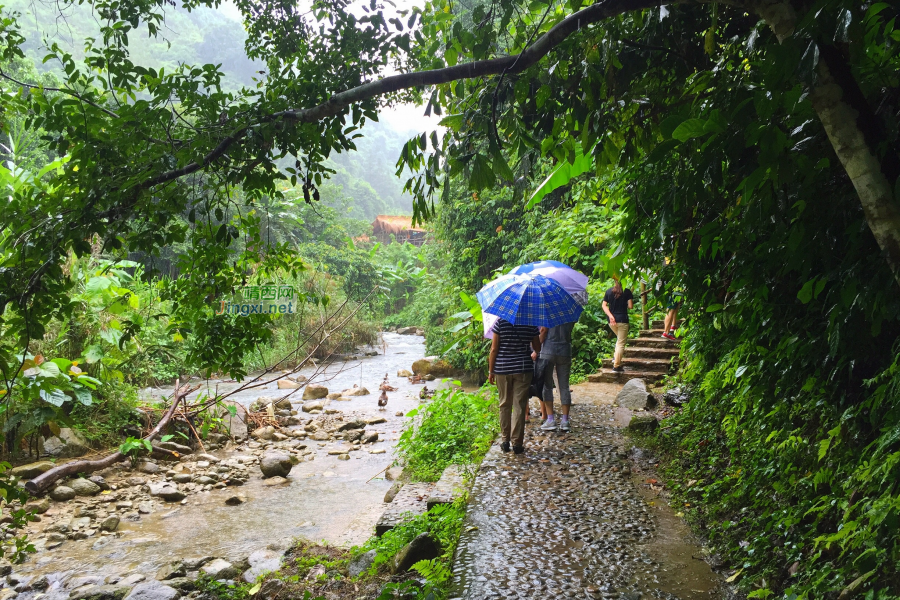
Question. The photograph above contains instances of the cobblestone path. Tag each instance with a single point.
(566, 520)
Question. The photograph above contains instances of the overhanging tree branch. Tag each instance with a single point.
(512, 64)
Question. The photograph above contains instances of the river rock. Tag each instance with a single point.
(235, 500)
(362, 563)
(219, 569)
(273, 481)
(634, 395)
(375, 420)
(38, 507)
(313, 405)
(392, 493)
(283, 404)
(314, 391)
(261, 562)
(643, 423)
(404, 373)
(275, 464)
(176, 447)
(234, 425)
(264, 433)
(8, 594)
(182, 584)
(110, 523)
(84, 487)
(68, 444)
(393, 474)
(407, 330)
(354, 424)
(209, 458)
(100, 592)
(171, 571)
(287, 384)
(32, 470)
(148, 467)
(369, 437)
(152, 590)
(61, 493)
(356, 391)
(100, 481)
(167, 491)
(423, 547)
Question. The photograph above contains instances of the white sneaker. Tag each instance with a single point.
(549, 424)
(564, 424)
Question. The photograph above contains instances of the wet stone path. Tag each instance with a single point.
(565, 520)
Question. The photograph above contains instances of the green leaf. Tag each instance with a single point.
(561, 175)
(55, 397)
(542, 95)
(62, 363)
(806, 292)
(714, 308)
(93, 353)
(689, 129)
(83, 396)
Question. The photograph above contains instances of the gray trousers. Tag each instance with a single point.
(562, 366)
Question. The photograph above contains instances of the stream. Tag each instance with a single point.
(325, 499)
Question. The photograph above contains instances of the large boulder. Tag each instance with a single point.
(283, 404)
(404, 373)
(287, 384)
(166, 490)
(354, 424)
(423, 547)
(275, 464)
(634, 395)
(261, 562)
(152, 590)
(68, 444)
(84, 487)
(32, 470)
(314, 391)
(432, 366)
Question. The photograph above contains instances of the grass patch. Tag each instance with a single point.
(456, 427)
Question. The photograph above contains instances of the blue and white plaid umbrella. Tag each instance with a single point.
(529, 300)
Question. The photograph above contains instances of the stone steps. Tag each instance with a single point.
(643, 353)
(610, 376)
(651, 342)
(649, 365)
(648, 356)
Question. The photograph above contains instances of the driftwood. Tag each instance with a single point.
(40, 483)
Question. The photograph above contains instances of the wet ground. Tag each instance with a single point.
(568, 520)
(327, 499)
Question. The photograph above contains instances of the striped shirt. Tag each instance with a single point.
(514, 355)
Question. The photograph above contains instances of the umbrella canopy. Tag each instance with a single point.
(572, 281)
(529, 300)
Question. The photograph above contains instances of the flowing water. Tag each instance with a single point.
(324, 500)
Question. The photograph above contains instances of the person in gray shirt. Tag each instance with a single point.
(556, 351)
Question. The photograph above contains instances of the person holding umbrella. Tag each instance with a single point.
(511, 369)
(523, 303)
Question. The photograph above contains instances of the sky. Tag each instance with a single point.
(403, 118)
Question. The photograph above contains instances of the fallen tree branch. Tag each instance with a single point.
(40, 483)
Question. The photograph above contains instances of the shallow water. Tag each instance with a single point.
(325, 499)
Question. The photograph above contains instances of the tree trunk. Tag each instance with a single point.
(855, 134)
(40, 483)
